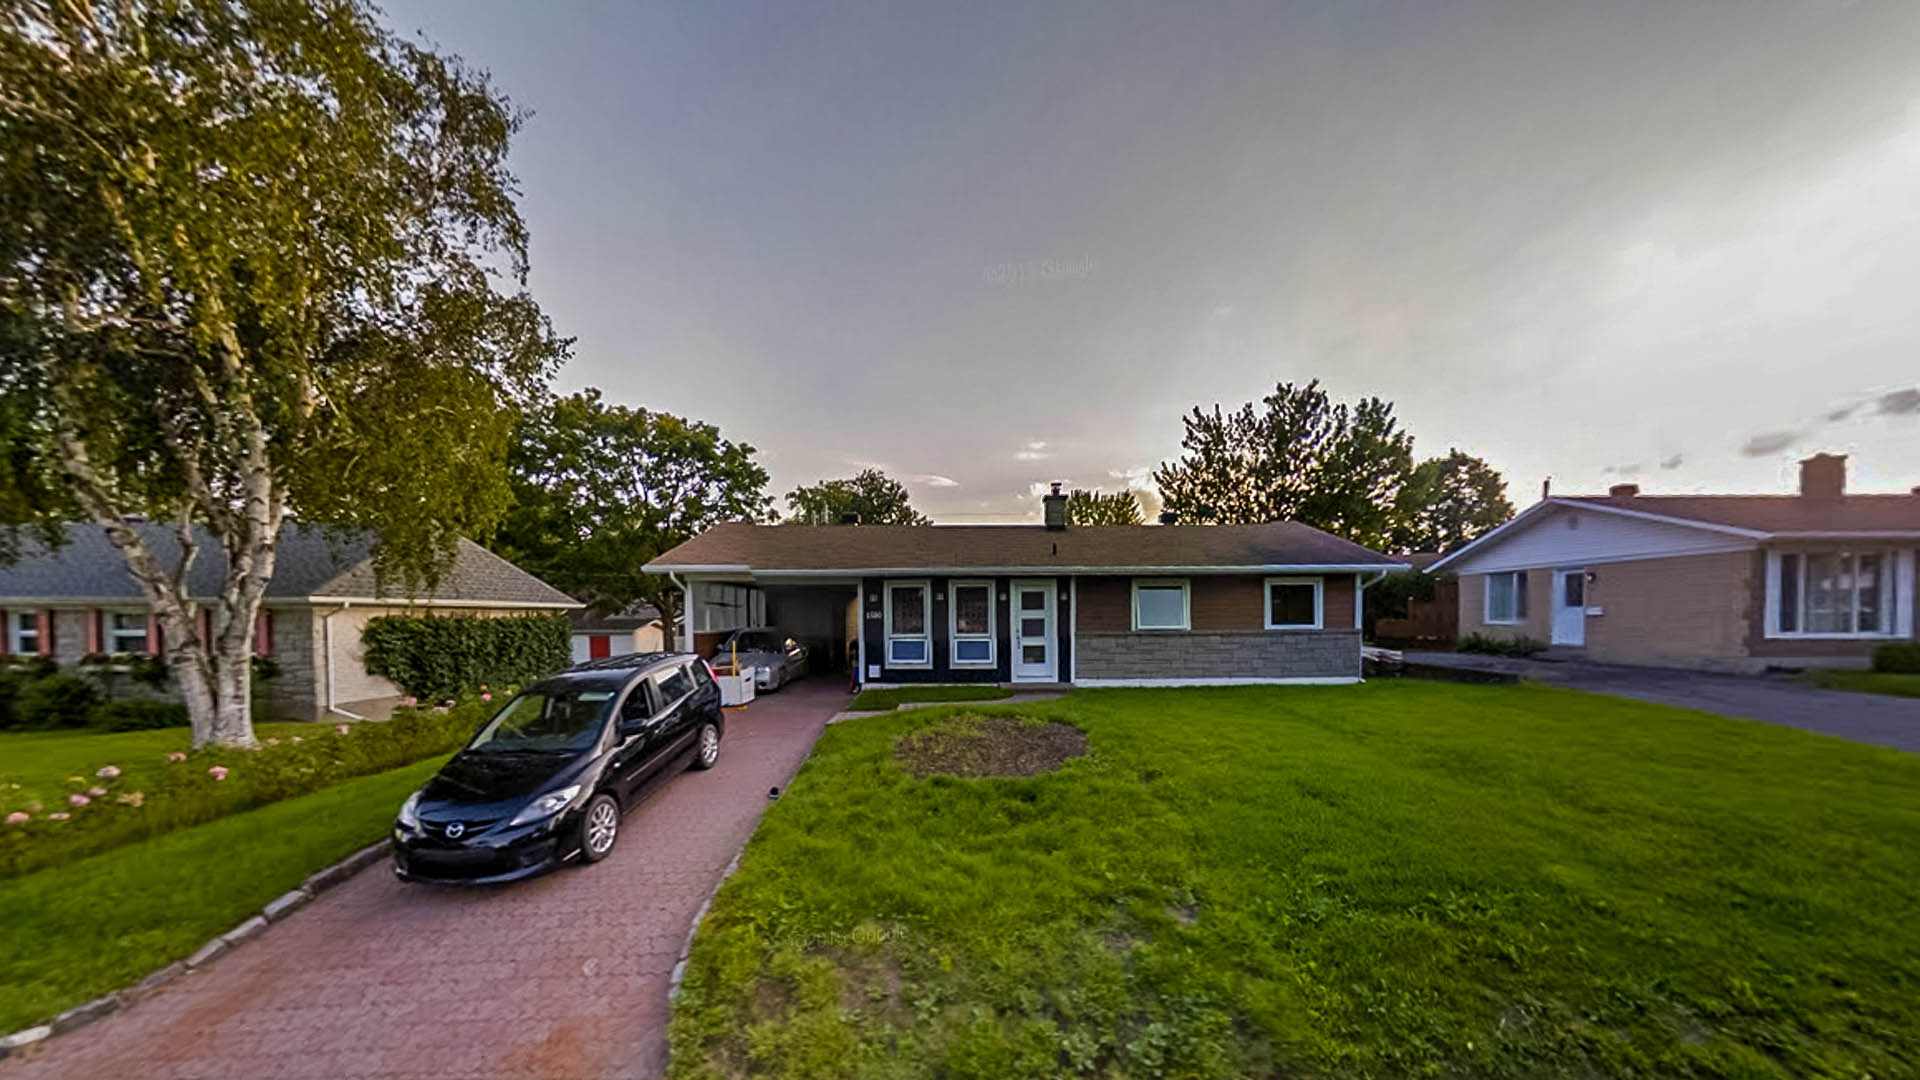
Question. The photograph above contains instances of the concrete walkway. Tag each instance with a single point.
(1867, 718)
(564, 976)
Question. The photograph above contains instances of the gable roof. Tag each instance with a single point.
(740, 547)
(311, 562)
(633, 617)
(1754, 517)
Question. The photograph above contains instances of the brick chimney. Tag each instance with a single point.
(1623, 491)
(1054, 507)
(1823, 476)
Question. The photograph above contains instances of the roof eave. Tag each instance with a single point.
(1019, 571)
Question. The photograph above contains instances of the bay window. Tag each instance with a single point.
(909, 644)
(1833, 592)
(971, 624)
(1506, 598)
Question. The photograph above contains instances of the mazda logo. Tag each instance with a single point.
(454, 829)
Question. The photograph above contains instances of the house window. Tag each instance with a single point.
(908, 641)
(25, 632)
(126, 632)
(1160, 605)
(971, 623)
(1295, 603)
(730, 607)
(1507, 597)
(1833, 593)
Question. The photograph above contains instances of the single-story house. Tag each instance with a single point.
(636, 629)
(1726, 582)
(79, 599)
(1128, 605)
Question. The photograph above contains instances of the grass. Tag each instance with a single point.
(75, 932)
(1396, 879)
(1866, 682)
(893, 696)
(34, 765)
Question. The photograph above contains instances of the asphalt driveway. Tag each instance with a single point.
(1867, 718)
(565, 976)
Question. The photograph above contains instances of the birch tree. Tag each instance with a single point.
(258, 259)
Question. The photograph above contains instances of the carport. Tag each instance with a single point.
(822, 616)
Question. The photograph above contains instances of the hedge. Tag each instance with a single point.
(1898, 657)
(435, 658)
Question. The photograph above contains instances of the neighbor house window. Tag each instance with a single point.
(971, 629)
(126, 632)
(1160, 605)
(1507, 597)
(24, 629)
(1833, 593)
(1295, 603)
(909, 642)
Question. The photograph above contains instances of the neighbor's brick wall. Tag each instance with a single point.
(1229, 654)
(1687, 611)
(1473, 608)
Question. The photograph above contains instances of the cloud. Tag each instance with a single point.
(933, 480)
(1673, 462)
(1769, 442)
(1624, 470)
(1898, 403)
(1033, 451)
(1840, 414)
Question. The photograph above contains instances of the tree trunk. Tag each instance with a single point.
(233, 698)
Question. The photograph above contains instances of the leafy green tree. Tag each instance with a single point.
(258, 259)
(878, 498)
(600, 489)
(1101, 508)
(1447, 502)
(1299, 456)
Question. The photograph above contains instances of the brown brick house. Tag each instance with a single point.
(1735, 582)
(1090, 605)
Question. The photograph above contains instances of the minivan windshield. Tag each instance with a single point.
(558, 718)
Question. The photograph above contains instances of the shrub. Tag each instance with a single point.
(437, 657)
(138, 716)
(1520, 646)
(55, 701)
(1901, 657)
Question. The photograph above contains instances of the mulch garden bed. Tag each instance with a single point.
(971, 745)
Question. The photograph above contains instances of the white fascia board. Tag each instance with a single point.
(1524, 516)
(1577, 504)
(1704, 547)
(394, 601)
(1874, 534)
(1038, 571)
(1666, 519)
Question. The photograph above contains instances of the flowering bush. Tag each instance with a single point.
(220, 781)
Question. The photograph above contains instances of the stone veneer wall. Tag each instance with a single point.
(1220, 654)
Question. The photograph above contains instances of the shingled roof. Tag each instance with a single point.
(1283, 545)
(1774, 514)
(310, 562)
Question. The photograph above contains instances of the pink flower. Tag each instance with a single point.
(59, 816)
(447, 704)
(176, 756)
(483, 688)
(96, 791)
(486, 697)
(218, 772)
(409, 701)
(133, 798)
(339, 729)
(19, 817)
(108, 772)
(78, 799)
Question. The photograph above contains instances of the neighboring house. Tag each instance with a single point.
(1734, 582)
(1089, 605)
(80, 599)
(637, 629)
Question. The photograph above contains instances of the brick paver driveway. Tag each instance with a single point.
(564, 976)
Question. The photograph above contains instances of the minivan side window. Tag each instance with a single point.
(675, 683)
(638, 706)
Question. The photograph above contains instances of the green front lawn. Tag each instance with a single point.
(893, 696)
(35, 765)
(75, 932)
(1403, 878)
(1867, 682)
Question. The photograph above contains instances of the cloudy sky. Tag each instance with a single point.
(991, 245)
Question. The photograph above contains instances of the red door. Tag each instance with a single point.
(599, 646)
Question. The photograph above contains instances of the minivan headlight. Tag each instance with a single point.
(546, 805)
(410, 811)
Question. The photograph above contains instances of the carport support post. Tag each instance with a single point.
(686, 614)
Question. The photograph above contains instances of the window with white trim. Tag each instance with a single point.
(25, 632)
(970, 624)
(126, 631)
(1832, 593)
(1161, 605)
(1506, 598)
(1296, 603)
(730, 607)
(909, 641)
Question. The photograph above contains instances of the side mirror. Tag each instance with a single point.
(632, 725)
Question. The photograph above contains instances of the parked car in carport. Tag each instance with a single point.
(774, 658)
(546, 780)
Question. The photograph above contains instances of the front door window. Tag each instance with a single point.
(1034, 647)
(1570, 608)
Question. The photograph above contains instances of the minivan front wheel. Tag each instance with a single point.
(599, 828)
(707, 749)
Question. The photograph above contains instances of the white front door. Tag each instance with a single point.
(1035, 646)
(1570, 607)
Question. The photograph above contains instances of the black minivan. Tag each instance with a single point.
(547, 778)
